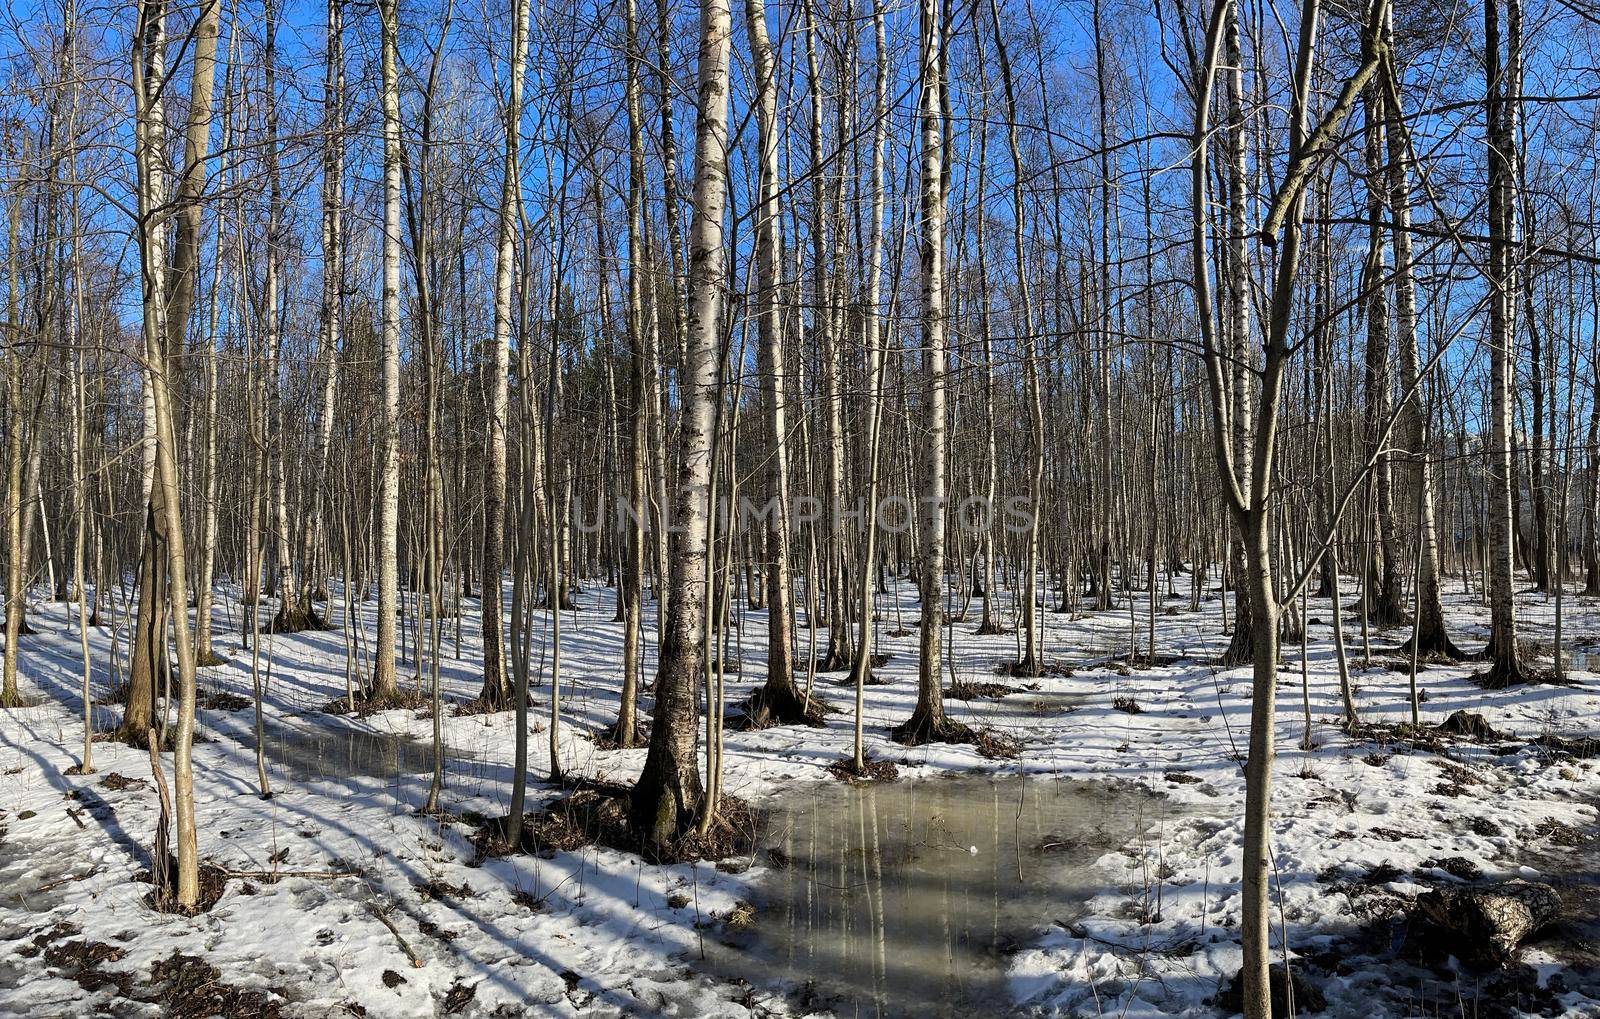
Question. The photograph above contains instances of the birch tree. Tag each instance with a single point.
(669, 797)
(385, 687)
(1502, 81)
(778, 701)
(928, 721)
(497, 369)
(1248, 492)
(164, 320)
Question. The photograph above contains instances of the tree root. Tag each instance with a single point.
(836, 661)
(610, 738)
(924, 727)
(966, 690)
(137, 735)
(598, 812)
(298, 620)
(1381, 611)
(1434, 647)
(481, 705)
(874, 663)
(164, 898)
(771, 705)
(1241, 647)
(1502, 675)
(1026, 668)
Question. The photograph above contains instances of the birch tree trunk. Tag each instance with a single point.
(1248, 493)
(1381, 599)
(496, 694)
(149, 77)
(1029, 663)
(778, 701)
(1431, 638)
(291, 615)
(928, 722)
(1591, 494)
(668, 798)
(1236, 328)
(332, 293)
(873, 354)
(204, 653)
(631, 580)
(175, 297)
(1506, 661)
(824, 325)
(385, 688)
(80, 484)
(16, 561)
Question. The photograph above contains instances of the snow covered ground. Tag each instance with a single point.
(1359, 826)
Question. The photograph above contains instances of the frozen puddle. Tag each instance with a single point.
(1574, 939)
(33, 877)
(906, 898)
(1019, 711)
(313, 753)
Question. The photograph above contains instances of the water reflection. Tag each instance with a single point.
(1583, 661)
(905, 899)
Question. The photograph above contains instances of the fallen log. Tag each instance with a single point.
(1483, 926)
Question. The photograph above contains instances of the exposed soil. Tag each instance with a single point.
(876, 770)
(78, 959)
(967, 690)
(1126, 705)
(191, 988)
(597, 813)
(459, 997)
(919, 730)
(213, 883)
(184, 986)
(117, 782)
(367, 703)
(222, 701)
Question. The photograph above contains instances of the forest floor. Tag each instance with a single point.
(1361, 827)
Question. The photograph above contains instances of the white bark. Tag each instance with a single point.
(498, 369)
(872, 343)
(669, 794)
(383, 674)
(928, 718)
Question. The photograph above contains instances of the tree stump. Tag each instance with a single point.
(1469, 724)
